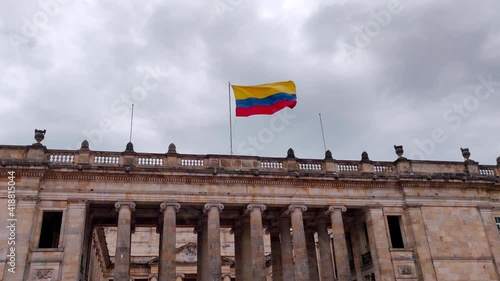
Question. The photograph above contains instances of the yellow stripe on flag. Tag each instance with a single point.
(263, 91)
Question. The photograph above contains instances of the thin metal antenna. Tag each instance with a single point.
(322, 132)
(230, 119)
(131, 120)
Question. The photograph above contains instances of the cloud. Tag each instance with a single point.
(79, 73)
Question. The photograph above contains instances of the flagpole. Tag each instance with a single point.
(230, 119)
(131, 120)
(322, 132)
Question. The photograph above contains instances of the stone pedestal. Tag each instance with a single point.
(123, 237)
(325, 251)
(299, 242)
(339, 242)
(168, 238)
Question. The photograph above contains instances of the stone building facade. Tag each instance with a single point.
(100, 216)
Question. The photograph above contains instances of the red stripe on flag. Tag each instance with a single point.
(265, 110)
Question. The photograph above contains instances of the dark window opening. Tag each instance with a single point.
(51, 229)
(395, 231)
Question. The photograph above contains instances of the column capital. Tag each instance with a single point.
(165, 204)
(120, 204)
(181, 275)
(250, 207)
(78, 201)
(292, 208)
(331, 209)
(208, 206)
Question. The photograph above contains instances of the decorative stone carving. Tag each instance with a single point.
(290, 153)
(465, 153)
(164, 205)
(291, 208)
(172, 149)
(130, 204)
(188, 254)
(404, 270)
(85, 145)
(130, 147)
(364, 157)
(328, 155)
(332, 208)
(399, 150)
(39, 135)
(251, 206)
(41, 274)
(210, 205)
(498, 162)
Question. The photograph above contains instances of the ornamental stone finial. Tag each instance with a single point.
(364, 157)
(290, 153)
(465, 153)
(129, 147)
(172, 149)
(39, 135)
(85, 145)
(399, 150)
(328, 155)
(498, 162)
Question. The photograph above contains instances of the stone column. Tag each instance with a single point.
(311, 254)
(180, 277)
(213, 269)
(226, 277)
(325, 251)
(356, 251)
(299, 242)
(339, 242)
(123, 239)
(491, 230)
(166, 266)
(200, 249)
(73, 238)
(258, 257)
(246, 249)
(153, 277)
(276, 254)
(379, 244)
(238, 252)
(286, 250)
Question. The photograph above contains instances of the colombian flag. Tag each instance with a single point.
(264, 99)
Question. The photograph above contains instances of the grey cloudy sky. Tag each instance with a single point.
(424, 74)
